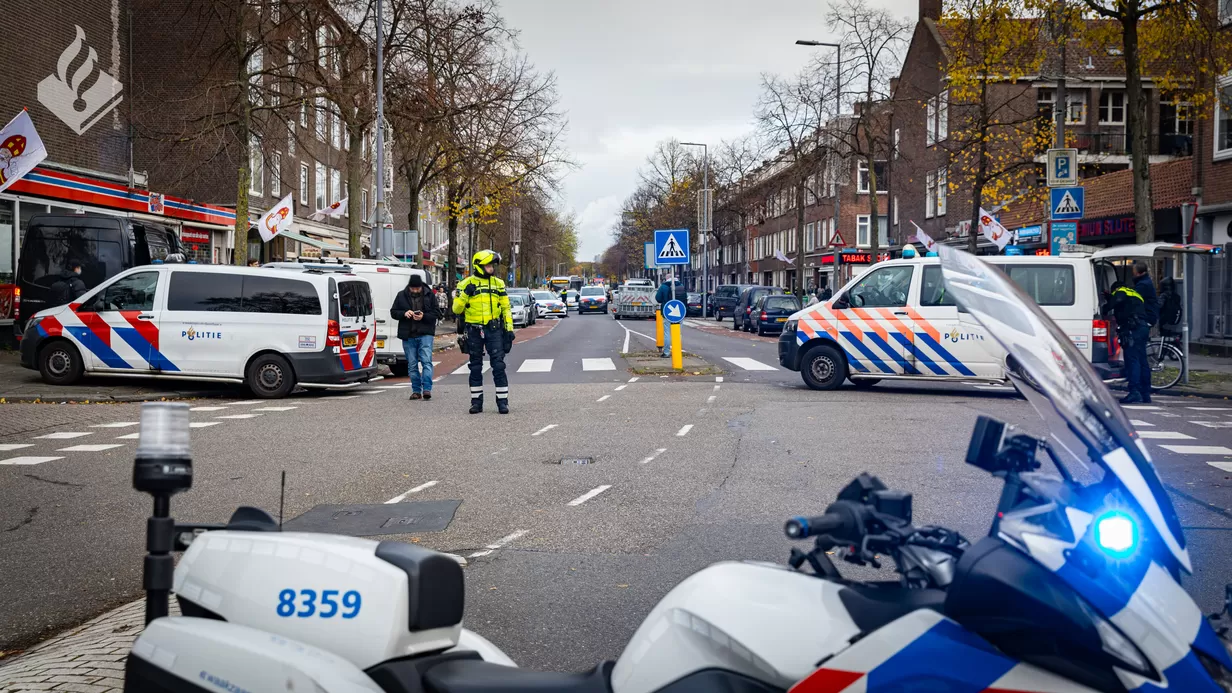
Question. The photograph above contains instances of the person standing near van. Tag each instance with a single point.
(416, 311)
(484, 305)
(69, 286)
(1129, 311)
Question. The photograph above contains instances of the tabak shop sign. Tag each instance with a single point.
(1121, 226)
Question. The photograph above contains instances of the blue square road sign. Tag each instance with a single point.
(671, 247)
(1067, 203)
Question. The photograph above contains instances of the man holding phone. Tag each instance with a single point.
(416, 311)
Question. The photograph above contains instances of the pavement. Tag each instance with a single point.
(682, 472)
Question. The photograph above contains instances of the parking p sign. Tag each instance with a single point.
(1062, 167)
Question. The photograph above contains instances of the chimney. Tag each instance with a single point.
(893, 86)
(857, 107)
(930, 9)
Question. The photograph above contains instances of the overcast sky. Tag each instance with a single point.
(634, 72)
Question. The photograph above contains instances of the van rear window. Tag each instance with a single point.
(354, 299)
(239, 293)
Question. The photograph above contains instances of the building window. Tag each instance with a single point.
(879, 167)
(862, 225)
(1076, 112)
(256, 166)
(1112, 108)
(276, 11)
(336, 128)
(942, 191)
(1223, 118)
(320, 186)
(943, 115)
(809, 242)
(303, 109)
(335, 185)
(276, 174)
(930, 125)
(1177, 118)
(1225, 12)
(894, 207)
(930, 195)
(322, 44)
(290, 138)
(897, 139)
(255, 66)
(322, 115)
(303, 183)
(363, 205)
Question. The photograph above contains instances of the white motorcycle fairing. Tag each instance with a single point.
(757, 619)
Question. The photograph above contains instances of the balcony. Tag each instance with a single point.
(1098, 144)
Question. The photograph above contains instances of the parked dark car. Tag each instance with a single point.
(693, 305)
(744, 307)
(770, 313)
(725, 299)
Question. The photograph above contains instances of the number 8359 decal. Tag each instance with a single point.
(325, 604)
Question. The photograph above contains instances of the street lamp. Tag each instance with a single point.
(704, 225)
(838, 108)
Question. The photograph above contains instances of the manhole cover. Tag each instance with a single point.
(576, 460)
(373, 520)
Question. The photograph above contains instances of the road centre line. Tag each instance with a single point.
(417, 489)
(602, 398)
(633, 379)
(657, 452)
(622, 387)
(684, 430)
(588, 495)
(499, 543)
(543, 430)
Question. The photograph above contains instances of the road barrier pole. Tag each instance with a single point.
(677, 356)
(659, 329)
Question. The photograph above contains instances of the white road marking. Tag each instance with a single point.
(91, 448)
(1163, 435)
(275, 408)
(371, 392)
(392, 387)
(5, 447)
(625, 349)
(125, 424)
(203, 424)
(250, 401)
(62, 435)
(1144, 407)
(589, 494)
(543, 430)
(352, 396)
(603, 364)
(417, 489)
(684, 430)
(602, 398)
(1222, 466)
(1140, 422)
(622, 387)
(657, 452)
(718, 379)
(129, 436)
(466, 368)
(1213, 424)
(633, 379)
(1199, 449)
(29, 460)
(240, 416)
(711, 398)
(717, 386)
(748, 364)
(205, 408)
(1210, 408)
(535, 366)
(499, 452)
(499, 543)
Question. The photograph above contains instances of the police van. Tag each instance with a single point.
(266, 328)
(896, 321)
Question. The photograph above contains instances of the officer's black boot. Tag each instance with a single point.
(476, 404)
(502, 405)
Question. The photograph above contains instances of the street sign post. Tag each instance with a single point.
(674, 312)
(1063, 233)
(1067, 203)
(671, 247)
(649, 250)
(1062, 167)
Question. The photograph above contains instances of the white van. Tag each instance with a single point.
(385, 279)
(895, 321)
(261, 327)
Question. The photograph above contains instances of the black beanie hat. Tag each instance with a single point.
(416, 280)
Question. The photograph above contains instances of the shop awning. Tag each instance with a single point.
(310, 241)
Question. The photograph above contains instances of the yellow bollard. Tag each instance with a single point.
(677, 357)
(659, 329)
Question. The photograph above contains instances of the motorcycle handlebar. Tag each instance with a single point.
(805, 527)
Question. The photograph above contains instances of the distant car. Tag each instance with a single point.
(771, 312)
(637, 281)
(744, 307)
(723, 303)
(520, 310)
(592, 299)
(529, 300)
(549, 304)
(571, 299)
(693, 305)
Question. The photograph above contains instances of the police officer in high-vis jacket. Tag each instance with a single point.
(484, 305)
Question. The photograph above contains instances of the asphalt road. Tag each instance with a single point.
(684, 472)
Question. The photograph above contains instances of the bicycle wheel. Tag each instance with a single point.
(1167, 365)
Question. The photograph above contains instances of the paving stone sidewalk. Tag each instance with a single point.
(86, 659)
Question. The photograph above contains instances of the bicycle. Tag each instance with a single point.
(1167, 361)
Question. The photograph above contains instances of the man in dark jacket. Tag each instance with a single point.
(1130, 310)
(416, 310)
(668, 290)
(69, 286)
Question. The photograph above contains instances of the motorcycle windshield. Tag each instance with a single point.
(1068, 384)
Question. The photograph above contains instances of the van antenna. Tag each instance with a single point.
(282, 495)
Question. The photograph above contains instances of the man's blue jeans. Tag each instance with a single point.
(418, 352)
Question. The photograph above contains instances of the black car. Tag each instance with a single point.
(693, 305)
(744, 307)
(770, 313)
(723, 303)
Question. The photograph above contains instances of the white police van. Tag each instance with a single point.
(896, 321)
(262, 327)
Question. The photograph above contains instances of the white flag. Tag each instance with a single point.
(993, 230)
(335, 210)
(21, 149)
(277, 220)
(927, 240)
(778, 255)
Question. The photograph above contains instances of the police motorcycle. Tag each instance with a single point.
(1074, 589)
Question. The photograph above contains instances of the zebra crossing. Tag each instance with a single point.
(593, 365)
(1178, 443)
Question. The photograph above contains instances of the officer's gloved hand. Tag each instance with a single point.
(470, 290)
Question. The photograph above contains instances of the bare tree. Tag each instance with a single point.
(735, 160)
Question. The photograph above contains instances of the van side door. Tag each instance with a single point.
(871, 319)
(199, 331)
(944, 344)
(118, 326)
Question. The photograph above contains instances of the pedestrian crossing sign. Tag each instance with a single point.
(1067, 203)
(671, 247)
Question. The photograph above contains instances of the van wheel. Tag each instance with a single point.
(270, 377)
(60, 363)
(865, 383)
(823, 368)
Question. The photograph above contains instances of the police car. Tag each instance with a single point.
(266, 328)
(896, 321)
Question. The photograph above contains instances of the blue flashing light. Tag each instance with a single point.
(1116, 533)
